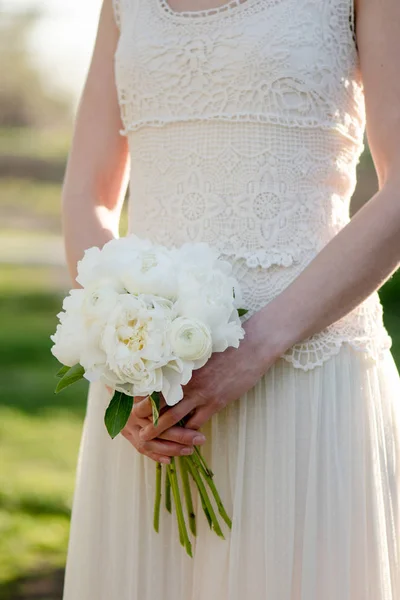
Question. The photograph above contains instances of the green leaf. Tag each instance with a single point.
(73, 375)
(155, 399)
(64, 369)
(118, 413)
(242, 312)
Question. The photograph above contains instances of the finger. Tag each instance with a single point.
(168, 419)
(138, 399)
(143, 409)
(135, 423)
(166, 460)
(165, 448)
(133, 439)
(182, 435)
(199, 417)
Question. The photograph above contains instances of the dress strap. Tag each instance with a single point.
(124, 10)
(116, 4)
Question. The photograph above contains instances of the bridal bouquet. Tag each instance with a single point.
(145, 319)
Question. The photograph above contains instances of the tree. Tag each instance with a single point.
(24, 100)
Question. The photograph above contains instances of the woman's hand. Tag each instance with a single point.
(175, 441)
(226, 377)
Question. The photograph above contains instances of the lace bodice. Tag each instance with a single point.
(245, 125)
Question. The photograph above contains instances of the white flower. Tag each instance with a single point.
(175, 374)
(69, 336)
(73, 302)
(191, 340)
(136, 344)
(102, 267)
(227, 335)
(94, 270)
(198, 256)
(93, 358)
(152, 272)
(67, 341)
(99, 302)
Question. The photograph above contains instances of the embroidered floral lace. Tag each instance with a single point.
(245, 125)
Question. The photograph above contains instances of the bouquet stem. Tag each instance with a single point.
(205, 472)
(183, 534)
(203, 493)
(168, 504)
(198, 455)
(157, 503)
(190, 467)
(188, 496)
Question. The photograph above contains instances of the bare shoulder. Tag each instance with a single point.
(378, 41)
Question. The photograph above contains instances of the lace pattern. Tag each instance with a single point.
(210, 12)
(361, 328)
(245, 126)
(288, 62)
(268, 194)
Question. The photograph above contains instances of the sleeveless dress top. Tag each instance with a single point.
(245, 126)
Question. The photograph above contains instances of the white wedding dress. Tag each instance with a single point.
(245, 124)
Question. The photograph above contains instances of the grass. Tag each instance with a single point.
(39, 435)
(44, 198)
(43, 143)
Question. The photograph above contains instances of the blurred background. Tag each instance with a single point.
(45, 50)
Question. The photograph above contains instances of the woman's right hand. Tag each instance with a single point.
(175, 441)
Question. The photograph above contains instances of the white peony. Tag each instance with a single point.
(175, 374)
(197, 255)
(209, 297)
(69, 336)
(152, 272)
(98, 302)
(95, 270)
(93, 358)
(102, 267)
(135, 342)
(191, 340)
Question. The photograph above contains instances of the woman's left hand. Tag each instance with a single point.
(226, 377)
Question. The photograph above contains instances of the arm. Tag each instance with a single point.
(367, 251)
(352, 266)
(96, 175)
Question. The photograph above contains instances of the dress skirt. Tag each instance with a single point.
(308, 466)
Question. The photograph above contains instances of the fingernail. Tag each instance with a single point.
(187, 451)
(198, 440)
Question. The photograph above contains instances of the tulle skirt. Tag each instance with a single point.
(308, 466)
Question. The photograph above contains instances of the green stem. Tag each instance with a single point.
(168, 505)
(178, 507)
(217, 497)
(203, 462)
(188, 496)
(205, 509)
(157, 503)
(193, 468)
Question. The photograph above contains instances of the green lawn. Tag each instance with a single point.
(43, 143)
(39, 432)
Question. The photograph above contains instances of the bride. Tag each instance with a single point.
(240, 123)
